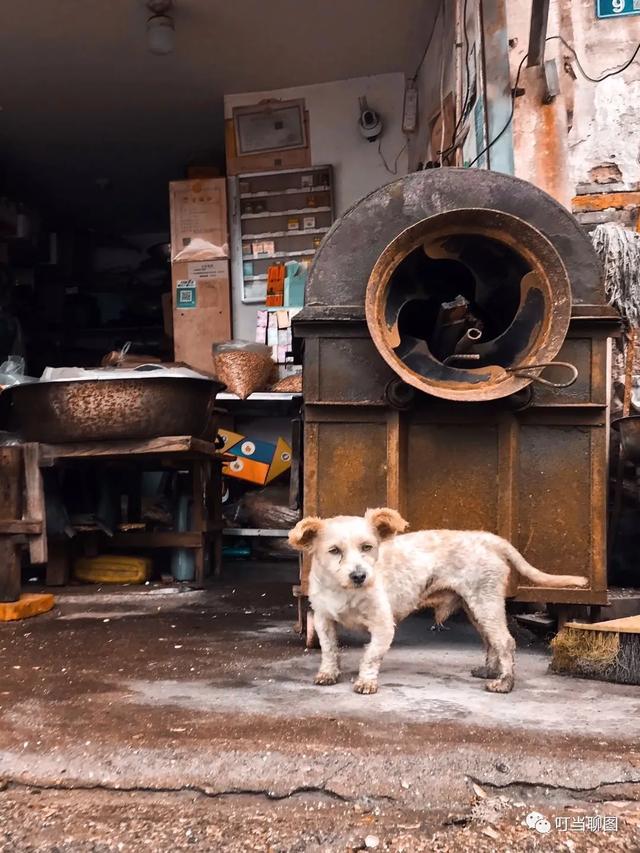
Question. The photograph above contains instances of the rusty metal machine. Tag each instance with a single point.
(434, 308)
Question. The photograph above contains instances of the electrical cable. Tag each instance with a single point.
(572, 50)
(509, 120)
(581, 69)
(465, 101)
(429, 40)
(391, 171)
(442, 116)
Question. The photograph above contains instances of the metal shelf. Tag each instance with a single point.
(268, 213)
(294, 232)
(254, 531)
(263, 396)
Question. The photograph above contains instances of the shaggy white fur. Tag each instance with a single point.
(365, 576)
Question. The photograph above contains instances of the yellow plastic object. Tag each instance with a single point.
(112, 568)
(29, 604)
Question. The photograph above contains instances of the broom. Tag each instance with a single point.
(606, 651)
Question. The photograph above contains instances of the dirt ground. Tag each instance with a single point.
(146, 719)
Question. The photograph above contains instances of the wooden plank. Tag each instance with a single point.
(295, 478)
(199, 518)
(626, 625)
(58, 564)
(604, 201)
(159, 539)
(181, 444)
(34, 490)
(27, 527)
(10, 506)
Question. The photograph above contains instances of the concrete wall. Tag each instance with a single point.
(586, 141)
(336, 140)
(440, 59)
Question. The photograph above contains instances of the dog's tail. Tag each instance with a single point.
(518, 562)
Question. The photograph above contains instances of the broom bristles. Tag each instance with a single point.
(604, 655)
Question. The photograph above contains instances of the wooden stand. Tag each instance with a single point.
(205, 537)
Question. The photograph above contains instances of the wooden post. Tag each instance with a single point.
(10, 509)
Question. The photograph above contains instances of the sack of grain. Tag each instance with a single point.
(289, 384)
(243, 366)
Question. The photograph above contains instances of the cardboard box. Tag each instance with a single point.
(254, 460)
(201, 310)
(198, 210)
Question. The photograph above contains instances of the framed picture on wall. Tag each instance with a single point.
(269, 126)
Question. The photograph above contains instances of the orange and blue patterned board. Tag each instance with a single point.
(246, 469)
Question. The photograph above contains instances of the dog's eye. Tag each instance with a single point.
(334, 550)
(366, 547)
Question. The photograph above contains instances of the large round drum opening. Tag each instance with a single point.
(460, 301)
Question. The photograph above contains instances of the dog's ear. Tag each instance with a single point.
(387, 522)
(303, 534)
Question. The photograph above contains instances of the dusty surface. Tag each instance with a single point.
(141, 719)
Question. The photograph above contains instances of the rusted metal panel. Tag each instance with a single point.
(529, 466)
(352, 372)
(343, 263)
(451, 476)
(554, 496)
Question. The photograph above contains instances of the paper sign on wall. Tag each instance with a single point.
(208, 269)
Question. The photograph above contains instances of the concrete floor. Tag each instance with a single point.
(200, 706)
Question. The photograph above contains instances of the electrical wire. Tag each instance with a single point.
(429, 40)
(509, 120)
(581, 69)
(572, 50)
(465, 101)
(442, 116)
(391, 171)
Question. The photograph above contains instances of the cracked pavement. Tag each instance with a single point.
(149, 705)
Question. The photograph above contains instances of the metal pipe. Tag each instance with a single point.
(470, 337)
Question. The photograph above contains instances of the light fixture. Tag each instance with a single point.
(160, 30)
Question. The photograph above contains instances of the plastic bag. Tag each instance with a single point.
(243, 366)
(12, 372)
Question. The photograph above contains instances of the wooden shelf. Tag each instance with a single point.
(322, 188)
(275, 255)
(284, 185)
(292, 212)
(295, 232)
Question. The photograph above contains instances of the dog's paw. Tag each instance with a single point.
(365, 687)
(326, 678)
(483, 672)
(500, 685)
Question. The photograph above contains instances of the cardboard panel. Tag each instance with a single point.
(201, 310)
(198, 209)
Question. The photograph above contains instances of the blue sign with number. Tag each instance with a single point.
(617, 8)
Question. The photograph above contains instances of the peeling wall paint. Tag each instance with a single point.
(590, 135)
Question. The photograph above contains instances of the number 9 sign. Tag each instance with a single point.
(617, 8)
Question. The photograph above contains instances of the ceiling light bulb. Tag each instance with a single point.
(161, 35)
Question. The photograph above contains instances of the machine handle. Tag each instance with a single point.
(525, 369)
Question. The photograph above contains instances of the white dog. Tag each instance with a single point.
(365, 576)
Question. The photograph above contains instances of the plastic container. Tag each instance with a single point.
(112, 568)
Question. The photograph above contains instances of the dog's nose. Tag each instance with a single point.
(358, 577)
